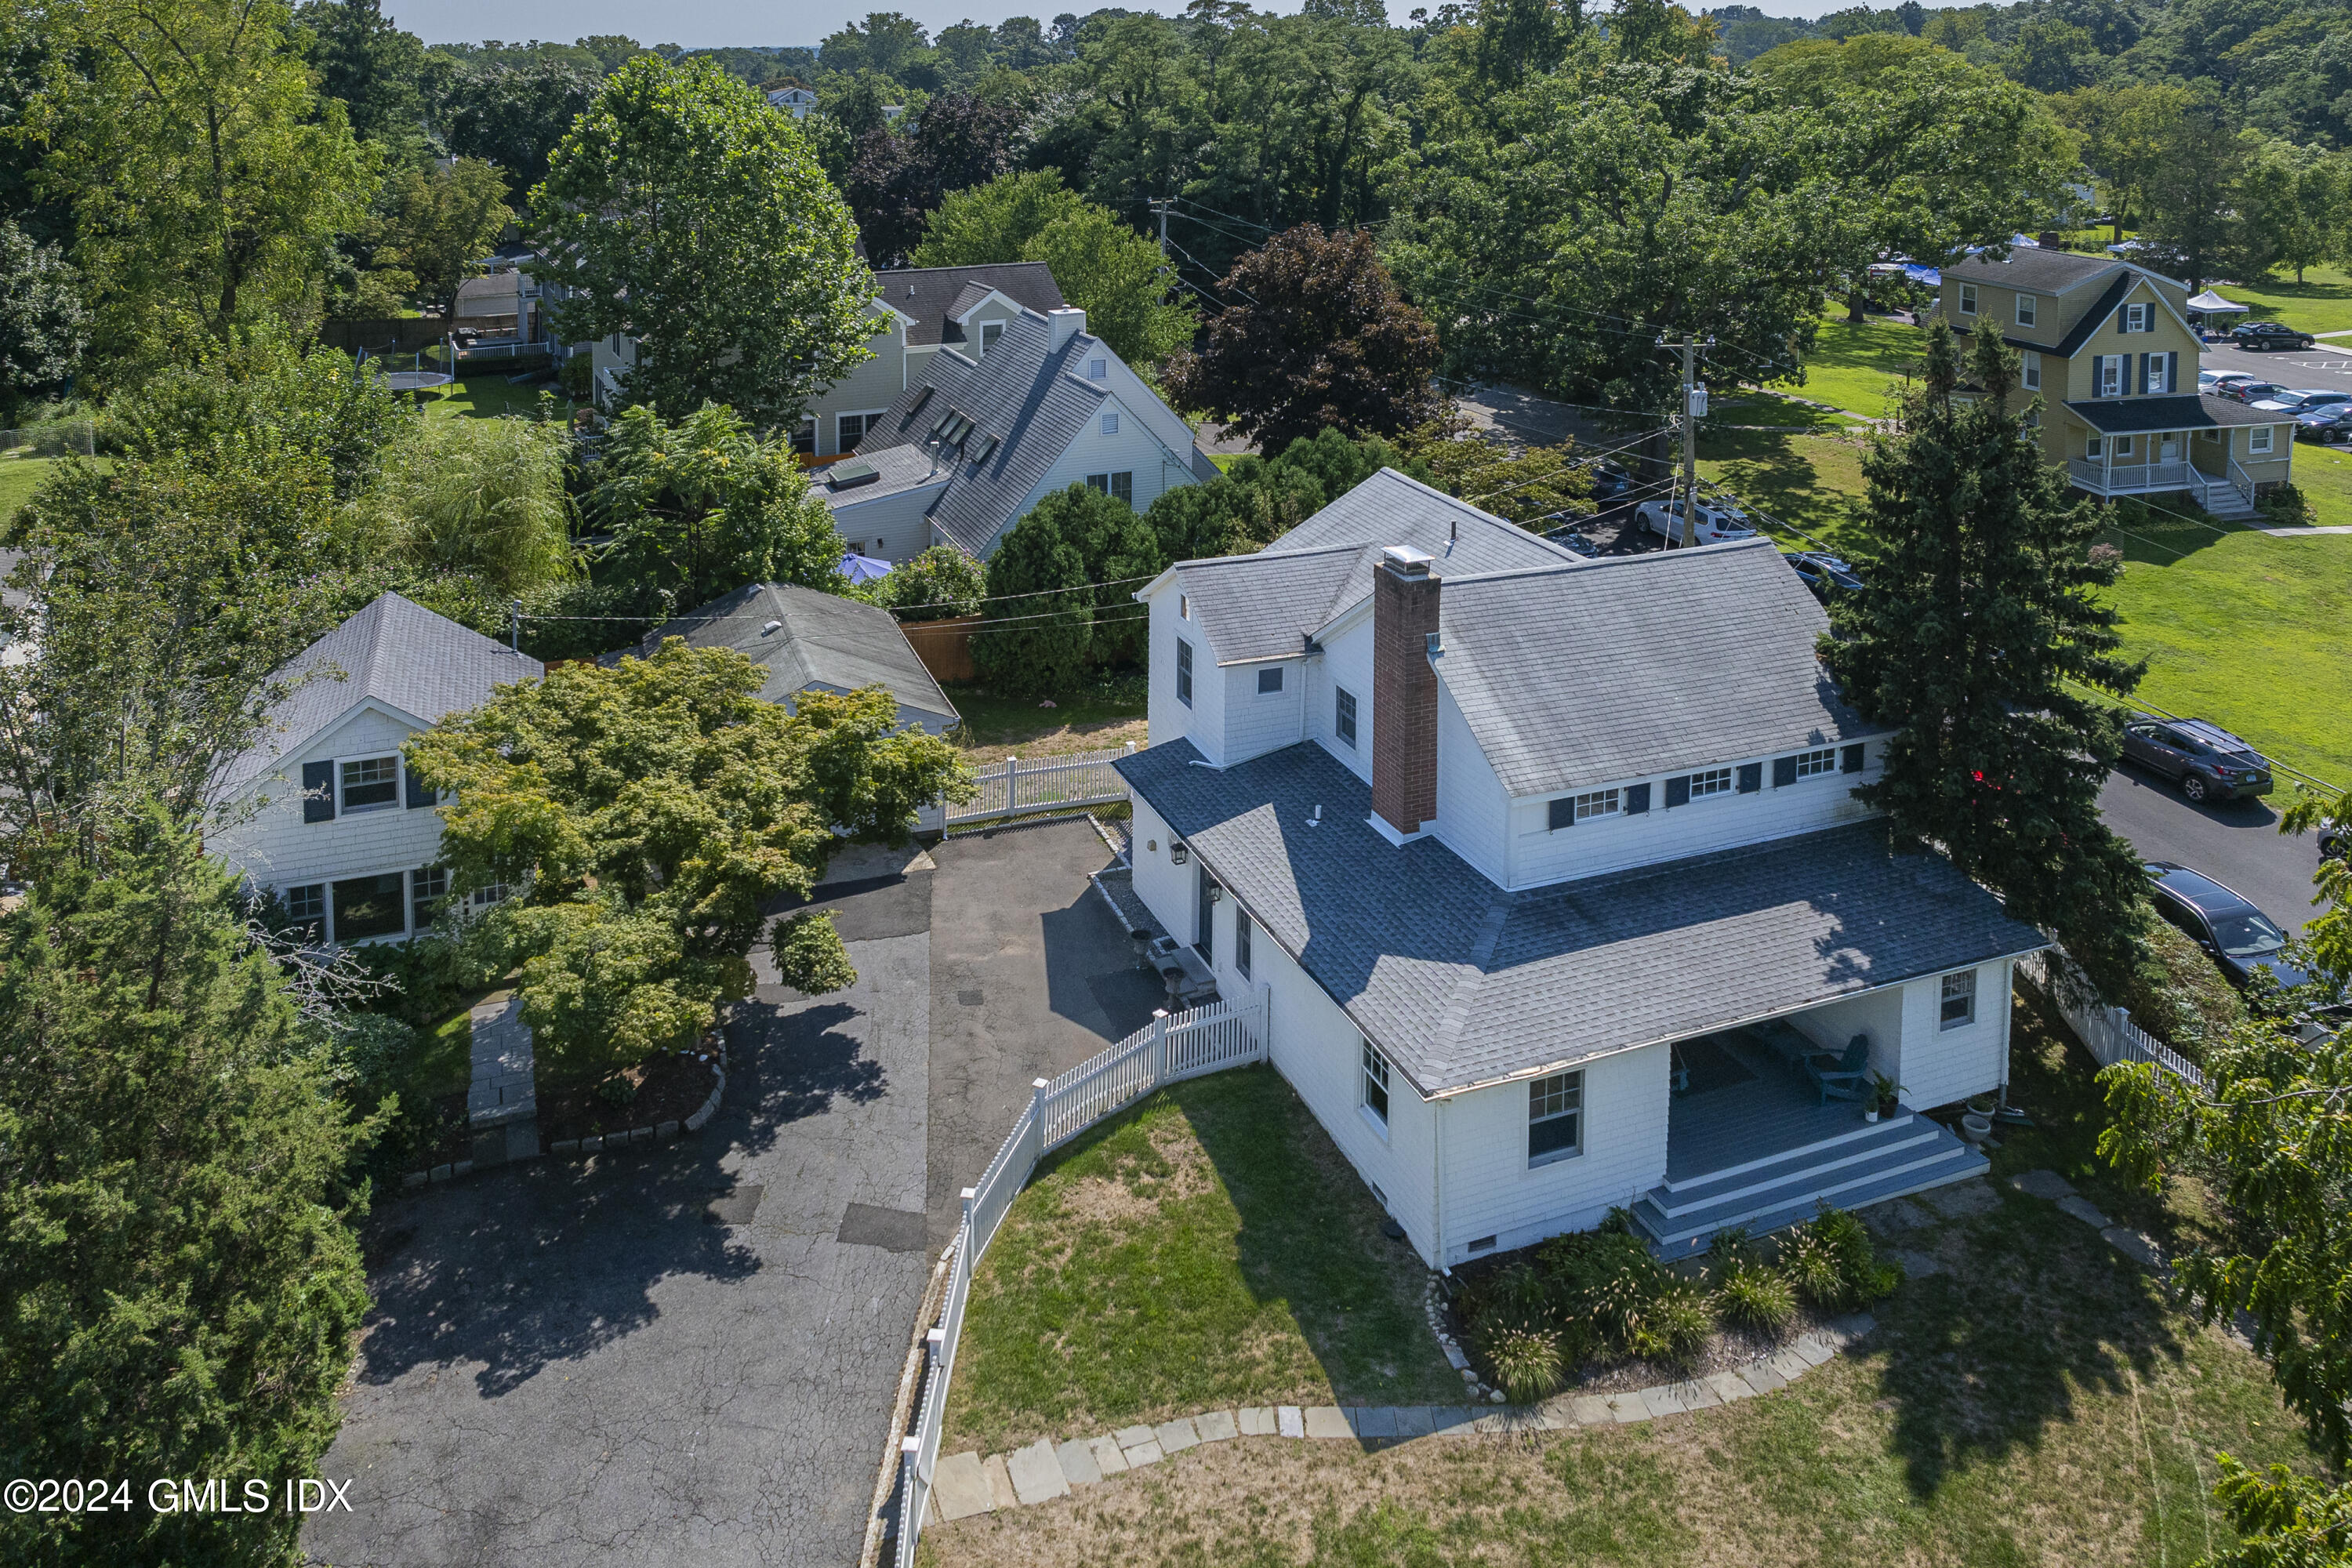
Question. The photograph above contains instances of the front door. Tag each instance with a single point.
(2170, 451)
(1205, 944)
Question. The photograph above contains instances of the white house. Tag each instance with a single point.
(1550, 873)
(323, 808)
(795, 100)
(810, 641)
(974, 443)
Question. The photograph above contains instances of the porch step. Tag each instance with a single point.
(1907, 1155)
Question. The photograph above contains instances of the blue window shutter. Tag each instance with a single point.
(1850, 760)
(2143, 374)
(318, 792)
(1679, 792)
(1784, 771)
(417, 794)
(1563, 813)
(2172, 371)
(1751, 778)
(1637, 798)
(2098, 372)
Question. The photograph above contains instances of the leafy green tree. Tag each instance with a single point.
(2050, 55)
(1257, 499)
(1978, 622)
(515, 116)
(686, 213)
(440, 220)
(938, 584)
(2283, 1519)
(1119, 552)
(1040, 628)
(654, 810)
(888, 45)
(699, 507)
(369, 65)
(180, 1287)
(43, 322)
(1318, 337)
(485, 497)
(205, 174)
(899, 175)
(1102, 266)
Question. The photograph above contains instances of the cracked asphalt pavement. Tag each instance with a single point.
(686, 1352)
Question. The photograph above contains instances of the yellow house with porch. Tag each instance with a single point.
(2107, 346)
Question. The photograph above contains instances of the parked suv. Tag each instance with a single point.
(2240, 937)
(1821, 572)
(1715, 524)
(2207, 760)
(2269, 335)
(2247, 391)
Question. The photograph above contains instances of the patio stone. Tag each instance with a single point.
(1627, 1408)
(1327, 1420)
(1142, 1454)
(1133, 1436)
(2139, 1248)
(1036, 1473)
(1726, 1386)
(2082, 1208)
(1454, 1356)
(1697, 1395)
(1177, 1436)
(1962, 1200)
(1375, 1421)
(1110, 1458)
(959, 1487)
(1590, 1410)
(1788, 1364)
(1813, 1351)
(1663, 1401)
(1451, 1417)
(2048, 1185)
(1257, 1420)
(1415, 1421)
(1762, 1378)
(1915, 1265)
(1852, 1326)
(1216, 1426)
(1076, 1458)
(1289, 1421)
(1000, 1481)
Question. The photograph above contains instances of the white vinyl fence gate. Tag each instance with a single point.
(1057, 783)
(1168, 1049)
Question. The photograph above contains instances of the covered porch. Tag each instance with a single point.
(1751, 1141)
(2182, 444)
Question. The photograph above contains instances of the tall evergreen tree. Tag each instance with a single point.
(179, 1282)
(1978, 624)
(1040, 620)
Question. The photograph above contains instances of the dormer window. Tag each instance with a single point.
(989, 332)
(2140, 318)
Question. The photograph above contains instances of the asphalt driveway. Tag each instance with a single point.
(2237, 843)
(687, 1354)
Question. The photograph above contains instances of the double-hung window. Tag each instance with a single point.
(1241, 942)
(1376, 1086)
(2026, 304)
(2032, 371)
(370, 781)
(2140, 318)
(426, 889)
(2093, 447)
(1959, 999)
(1968, 298)
(1344, 721)
(2111, 374)
(989, 332)
(2258, 438)
(1555, 1118)
(306, 907)
(1119, 486)
(1183, 672)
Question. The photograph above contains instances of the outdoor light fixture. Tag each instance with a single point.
(1215, 892)
(1177, 852)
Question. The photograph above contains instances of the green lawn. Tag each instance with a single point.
(1106, 712)
(2037, 1401)
(1854, 366)
(1775, 408)
(486, 396)
(1804, 481)
(2321, 302)
(1208, 1247)
(18, 478)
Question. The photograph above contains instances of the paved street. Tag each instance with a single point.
(2238, 844)
(686, 1353)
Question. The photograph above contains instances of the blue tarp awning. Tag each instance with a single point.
(863, 568)
(1928, 275)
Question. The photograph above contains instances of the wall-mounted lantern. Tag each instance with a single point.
(1177, 852)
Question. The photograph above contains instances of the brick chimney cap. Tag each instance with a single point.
(1405, 559)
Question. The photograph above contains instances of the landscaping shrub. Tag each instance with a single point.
(1526, 1363)
(1833, 1264)
(1633, 1303)
(2179, 996)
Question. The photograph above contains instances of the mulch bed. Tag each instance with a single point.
(670, 1087)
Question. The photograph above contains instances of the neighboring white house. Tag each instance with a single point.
(918, 312)
(811, 641)
(794, 100)
(974, 443)
(337, 827)
(1551, 874)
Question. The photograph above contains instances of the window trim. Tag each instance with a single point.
(2027, 308)
(344, 805)
(1707, 783)
(1343, 716)
(1241, 954)
(865, 416)
(2123, 445)
(1110, 422)
(1947, 993)
(1595, 802)
(1183, 672)
(1371, 1080)
(990, 332)
(1262, 689)
(2258, 440)
(1817, 762)
(1968, 298)
(1571, 1092)
(2093, 447)
(2031, 371)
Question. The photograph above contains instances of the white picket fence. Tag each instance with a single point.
(1076, 779)
(2108, 1031)
(1168, 1049)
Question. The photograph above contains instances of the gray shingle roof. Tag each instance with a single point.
(901, 469)
(824, 640)
(2037, 268)
(1260, 606)
(1631, 666)
(2188, 411)
(1024, 393)
(396, 652)
(932, 294)
(1461, 985)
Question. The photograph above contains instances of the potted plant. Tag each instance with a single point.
(1887, 1092)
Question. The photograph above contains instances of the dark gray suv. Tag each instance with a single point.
(2206, 761)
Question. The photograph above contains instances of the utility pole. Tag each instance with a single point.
(1161, 205)
(1693, 409)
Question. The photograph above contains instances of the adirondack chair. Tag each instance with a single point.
(1841, 1076)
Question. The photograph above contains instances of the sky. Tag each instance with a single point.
(704, 24)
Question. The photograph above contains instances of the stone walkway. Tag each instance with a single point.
(966, 1484)
(501, 1104)
(2052, 1187)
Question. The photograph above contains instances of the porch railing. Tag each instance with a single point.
(1167, 1051)
(1054, 784)
(2130, 479)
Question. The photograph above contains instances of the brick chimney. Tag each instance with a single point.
(1404, 690)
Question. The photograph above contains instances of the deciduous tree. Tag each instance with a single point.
(439, 221)
(43, 322)
(899, 176)
(515, 116)
(1317, 337)
(684, 212)
(1977, 625)
(1041, 613)
(938, 584)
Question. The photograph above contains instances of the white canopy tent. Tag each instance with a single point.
(2212, 304)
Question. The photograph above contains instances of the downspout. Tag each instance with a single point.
(1437, 1189)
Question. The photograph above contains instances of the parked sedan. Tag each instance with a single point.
(2240, 937)
(2269, 335)
(2247, 391)
(2211, 380)
(1821, 572)
(2207, 760)
(2333, 423)
(2303, 400)
(1610, 480)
